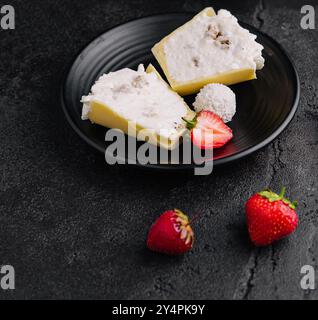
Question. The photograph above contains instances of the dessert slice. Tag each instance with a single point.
(127, 98)
(209, 48)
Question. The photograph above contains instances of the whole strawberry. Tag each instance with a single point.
(171, 233)
(270, 217)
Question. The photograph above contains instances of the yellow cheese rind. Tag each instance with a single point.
(191, 87)
(151, 68)
(103, 115)
(228, 78)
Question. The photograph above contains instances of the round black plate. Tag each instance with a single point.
(264, 106)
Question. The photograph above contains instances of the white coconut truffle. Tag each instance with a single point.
(217, 98)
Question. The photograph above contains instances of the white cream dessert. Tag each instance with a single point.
(126, 96)
(217, 98)
(209, 48)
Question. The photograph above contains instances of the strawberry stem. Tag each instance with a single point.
(282, 193)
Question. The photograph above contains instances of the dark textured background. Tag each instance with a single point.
(74, 227)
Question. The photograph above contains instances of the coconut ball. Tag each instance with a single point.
(217, 98)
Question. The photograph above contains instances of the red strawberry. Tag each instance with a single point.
(270, 217)
(171, 233)
(208, 131)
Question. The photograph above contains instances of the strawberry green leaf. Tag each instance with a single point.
(190, 124)
(272, 196)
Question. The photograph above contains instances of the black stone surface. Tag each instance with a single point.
(74, 227)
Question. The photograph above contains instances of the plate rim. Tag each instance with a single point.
(168, 167)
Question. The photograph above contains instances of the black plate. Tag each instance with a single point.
(264, 106)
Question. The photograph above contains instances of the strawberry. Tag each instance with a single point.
(208, 131)
(171, 233)
(270, 217)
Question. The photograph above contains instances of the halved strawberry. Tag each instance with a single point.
(208, 131)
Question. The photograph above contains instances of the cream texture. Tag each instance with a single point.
(211, 45)
(139, 97)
